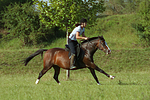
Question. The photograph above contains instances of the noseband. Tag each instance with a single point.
(101, 44)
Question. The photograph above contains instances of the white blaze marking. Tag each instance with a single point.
(107, 46)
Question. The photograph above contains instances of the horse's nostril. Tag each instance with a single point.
(109, 52)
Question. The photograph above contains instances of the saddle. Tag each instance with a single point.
(78, 51)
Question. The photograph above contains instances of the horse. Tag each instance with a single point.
(58, 58)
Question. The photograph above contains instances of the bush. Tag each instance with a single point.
(143, 26)
(23, 22)
(5, 3)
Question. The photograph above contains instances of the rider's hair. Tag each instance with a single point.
(83, 20)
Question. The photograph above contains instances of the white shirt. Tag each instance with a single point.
(72, 35)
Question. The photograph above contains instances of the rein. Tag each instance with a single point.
(88, 42)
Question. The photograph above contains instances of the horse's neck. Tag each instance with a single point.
(89, 47)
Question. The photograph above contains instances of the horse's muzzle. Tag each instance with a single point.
(108, 52)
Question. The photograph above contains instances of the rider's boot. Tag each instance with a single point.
(72, 60)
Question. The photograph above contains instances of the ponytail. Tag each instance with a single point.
(77, 24)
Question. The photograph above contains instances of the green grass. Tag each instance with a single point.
(81, 86)
(129, 62)
(131, 68)
(119, 61)
(117, 30)
(124, 60)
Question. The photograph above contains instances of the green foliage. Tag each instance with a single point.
(117, 31)
(23, 22)
(5, 3)
(143, 26)
(65, 13)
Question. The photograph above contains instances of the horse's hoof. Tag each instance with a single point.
(112, 77)
(37, 81)
(98, 84)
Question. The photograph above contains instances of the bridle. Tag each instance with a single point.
(95, 46)
(100, 42)
(98, 46)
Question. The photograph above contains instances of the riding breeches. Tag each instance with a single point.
(72, 45)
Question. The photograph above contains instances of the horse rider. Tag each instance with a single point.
(72, 40)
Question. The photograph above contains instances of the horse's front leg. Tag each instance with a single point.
(94, 75)
(92, 65)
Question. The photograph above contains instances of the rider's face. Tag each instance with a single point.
(84, 24)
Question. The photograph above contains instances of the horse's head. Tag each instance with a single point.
(96, 42)
(102, 45)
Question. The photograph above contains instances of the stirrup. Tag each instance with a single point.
(73, 67)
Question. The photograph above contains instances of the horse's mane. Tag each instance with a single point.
(93, 38)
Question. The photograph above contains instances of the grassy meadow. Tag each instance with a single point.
(129, 62)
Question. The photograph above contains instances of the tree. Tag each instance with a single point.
(23, 22)
(5, 3)
(65, 13)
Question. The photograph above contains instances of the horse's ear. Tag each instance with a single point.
(100, 37)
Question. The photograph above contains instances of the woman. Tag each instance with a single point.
(72, 40)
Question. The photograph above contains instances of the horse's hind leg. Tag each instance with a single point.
(57, 71)
(45, 69)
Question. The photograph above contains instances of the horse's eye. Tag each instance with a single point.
(103, 43)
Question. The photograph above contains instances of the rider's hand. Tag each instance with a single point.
(86, 38)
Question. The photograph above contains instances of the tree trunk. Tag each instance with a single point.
(67, 71)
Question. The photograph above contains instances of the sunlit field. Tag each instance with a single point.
(129, 62)
(81, 86)
(17, 82)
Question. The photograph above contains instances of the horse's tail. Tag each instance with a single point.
(33, 55)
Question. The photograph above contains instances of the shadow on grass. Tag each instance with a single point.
(131, 83)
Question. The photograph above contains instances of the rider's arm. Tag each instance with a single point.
(80, 37)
